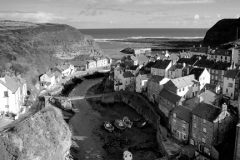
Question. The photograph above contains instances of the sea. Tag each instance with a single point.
(105, 37)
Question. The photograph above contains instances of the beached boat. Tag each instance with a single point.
(108, 126)
(127, 155)
(119, 124)
(142, 124)
(127, 122)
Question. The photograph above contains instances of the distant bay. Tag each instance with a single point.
(111, 41)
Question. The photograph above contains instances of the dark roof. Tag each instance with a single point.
(133, 68)
(210, 87)
(149, 64)
(170, 96)
(9, 83)
(231, 73)
(204, 63)
(188, 61)
(183, 81)
(206, 111)
(221, 65)
(164, 64)
(223, 52)
(197, 72)
(198, 57)
(182, 113)
(199, 49)
(156, 78)
(209, 96)
(157, 64)
(127, 74)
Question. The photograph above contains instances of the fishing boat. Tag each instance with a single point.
(142, 124)
(127, 122)
(119, 124)
(127, 155)
(108, 126)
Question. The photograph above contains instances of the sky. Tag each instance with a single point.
(121, 13)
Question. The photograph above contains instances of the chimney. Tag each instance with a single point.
(224, 107)
(184, 64)
(200, 45)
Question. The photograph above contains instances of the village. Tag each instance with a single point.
(196, 93)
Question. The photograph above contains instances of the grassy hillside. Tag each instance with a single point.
(31, 49)
(46, 136)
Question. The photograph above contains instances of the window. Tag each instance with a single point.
(204, 130)
(221, 57)
(230, 85)
(180, 90)
(184, 136)
(203, 140)
(226, 58)
(5, 93)
(183, 89)
(226, 90)
(184, 128)
(216, 71)
(216, 77)
(204, 121)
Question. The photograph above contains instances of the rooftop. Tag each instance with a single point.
(206, 111)
(196, 72)
(9, 83)
(231, 73)
(183, 113)
(209, 96)
(188, 61)
(133, 68)
(156, 78)
(222, 52)
(205, 63)
(183, 81)
(128, 74)
(221, 65)
(171, 97)
(149, 64)
(157, 64)
(210, 87)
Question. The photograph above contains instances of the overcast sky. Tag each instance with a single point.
(122, 13)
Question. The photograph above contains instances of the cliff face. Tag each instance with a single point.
(30, 48)
(43, 137)
(223, 31)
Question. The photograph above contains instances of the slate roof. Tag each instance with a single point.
(127, 74)
(164, 64)
(183, 113)
(221, 65)
(156, 78)
(149, 64)
(133, 68)
(231, 73)
(204, 63)
(9, 83)
(170, 96)
(196, 72)
(183, 81)
(222, 52)
(157, 64)
(188, 61)
(199, 49)
(206, 111)
(209, 96)
(78, 63)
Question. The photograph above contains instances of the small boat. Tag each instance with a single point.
(127, 122)
(119, 124)
(108, 126)
(142, 124)
(127, 155)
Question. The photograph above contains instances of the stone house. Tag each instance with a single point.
(154, 87)
(177, 70)
(221, 55)
(231, 84)
(13, 92)
(186, 86)
(210, 126)
(160, 68)
(124, 79)
(91, 64)
(101, 61)
(217, 71)
(48, 78)
(201, 75)
(133, 69)
(129, 61)
(180, 123)
(141, 81)
(204, 63)
(167, 102)
(76, 66)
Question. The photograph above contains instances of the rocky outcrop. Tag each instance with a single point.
(223, 31)
(46, 136)
(31, 49)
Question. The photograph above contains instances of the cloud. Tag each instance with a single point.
(218, 15)
(196, 17)
(207, 17)
(147, 2)
(40, 17)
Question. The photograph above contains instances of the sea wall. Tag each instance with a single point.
(142, 106)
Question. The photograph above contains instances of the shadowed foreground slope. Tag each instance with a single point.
(45, 136)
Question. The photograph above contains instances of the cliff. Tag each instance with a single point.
(45, 136)
(31, 48)
(224, 31)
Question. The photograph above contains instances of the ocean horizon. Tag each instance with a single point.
(105, 37)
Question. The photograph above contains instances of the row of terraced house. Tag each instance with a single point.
(192, 90)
